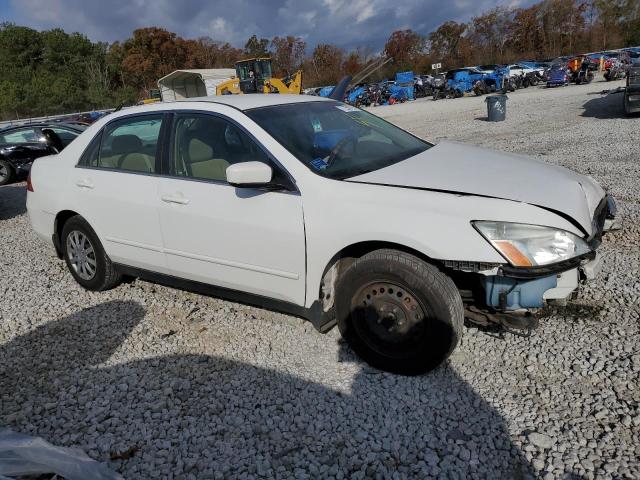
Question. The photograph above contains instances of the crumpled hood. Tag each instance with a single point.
(467, 169)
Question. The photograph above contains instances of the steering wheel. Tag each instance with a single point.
(338, 149)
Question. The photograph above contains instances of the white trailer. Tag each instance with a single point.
(193, 83)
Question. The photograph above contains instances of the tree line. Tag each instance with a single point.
(49, 72)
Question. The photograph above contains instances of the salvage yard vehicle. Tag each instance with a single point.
(439, 87)
(21, 145)
(557, 76)
(580, 70)
(314, 207)
(254, 75)
(632, 91)
(614, 69)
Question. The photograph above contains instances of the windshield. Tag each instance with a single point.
(337, 140)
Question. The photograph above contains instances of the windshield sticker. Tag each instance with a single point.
(317, 126)
(319, 164)
(347, 108)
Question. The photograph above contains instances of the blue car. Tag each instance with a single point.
(557, 77)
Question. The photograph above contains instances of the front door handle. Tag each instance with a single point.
(85, 183)
(176, 198)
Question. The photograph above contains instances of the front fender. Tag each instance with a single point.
(436, 224)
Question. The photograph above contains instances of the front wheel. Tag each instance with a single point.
(86, 259)
(7, 174)
(399, 313)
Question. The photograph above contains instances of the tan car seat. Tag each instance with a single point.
(202, 164)
(127, 154)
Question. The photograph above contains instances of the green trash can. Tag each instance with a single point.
(496, 107)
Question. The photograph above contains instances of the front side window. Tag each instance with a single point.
(205, 145)
(130, 144)
(336, 140)
(23, 135)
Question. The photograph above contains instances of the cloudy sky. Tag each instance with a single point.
(347, 23)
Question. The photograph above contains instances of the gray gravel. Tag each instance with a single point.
(190, 387)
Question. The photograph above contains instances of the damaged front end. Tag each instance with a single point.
(508, 294)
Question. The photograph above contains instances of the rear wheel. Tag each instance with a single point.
(7, 174)
(85, 257)
(399, 313)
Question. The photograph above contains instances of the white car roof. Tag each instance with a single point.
(240, 102)
(246, 102)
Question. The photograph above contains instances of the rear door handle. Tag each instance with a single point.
(176, 198)
(86, 183)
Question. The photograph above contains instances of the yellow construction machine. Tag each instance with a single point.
(253, 75)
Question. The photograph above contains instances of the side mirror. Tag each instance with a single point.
(249, 174)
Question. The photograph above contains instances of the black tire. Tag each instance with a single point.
(422, 312)
(7, 173)
(105, 275)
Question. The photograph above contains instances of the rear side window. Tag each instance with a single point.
(130, 144)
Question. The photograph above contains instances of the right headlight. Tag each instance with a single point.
(525, 245)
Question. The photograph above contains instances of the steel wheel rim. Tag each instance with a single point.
(81, 254)
(390, 318)
(4, 173)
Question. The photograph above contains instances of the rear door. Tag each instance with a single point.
(116, 189)
(245, 239)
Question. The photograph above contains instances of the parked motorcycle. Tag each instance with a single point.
(481, 88)
(531, 79)
(614, 70)
(439, 87)
(581, 70)
(375, 94)
(421, 87)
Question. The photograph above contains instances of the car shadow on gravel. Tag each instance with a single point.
(13, 201)
(199, 415)
(605, 106)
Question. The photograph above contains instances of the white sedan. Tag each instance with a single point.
(313, 207)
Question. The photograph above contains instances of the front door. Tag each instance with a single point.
(250, 240)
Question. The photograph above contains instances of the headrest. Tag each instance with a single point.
(199, 151)
(126, 144)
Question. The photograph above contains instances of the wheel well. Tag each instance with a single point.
(61, 219)
(345, 257)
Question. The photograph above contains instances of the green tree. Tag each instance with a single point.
(447, 43)
(256, 48)
(404, 46)
(288, 54)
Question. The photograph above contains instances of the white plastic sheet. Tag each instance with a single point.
(25, 455)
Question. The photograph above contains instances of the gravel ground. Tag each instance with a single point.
(187, 386)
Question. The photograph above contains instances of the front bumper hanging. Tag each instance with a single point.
(517, 289)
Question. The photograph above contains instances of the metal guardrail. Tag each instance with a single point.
(49, 118)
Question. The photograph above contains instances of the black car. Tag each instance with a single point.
(21, 145)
